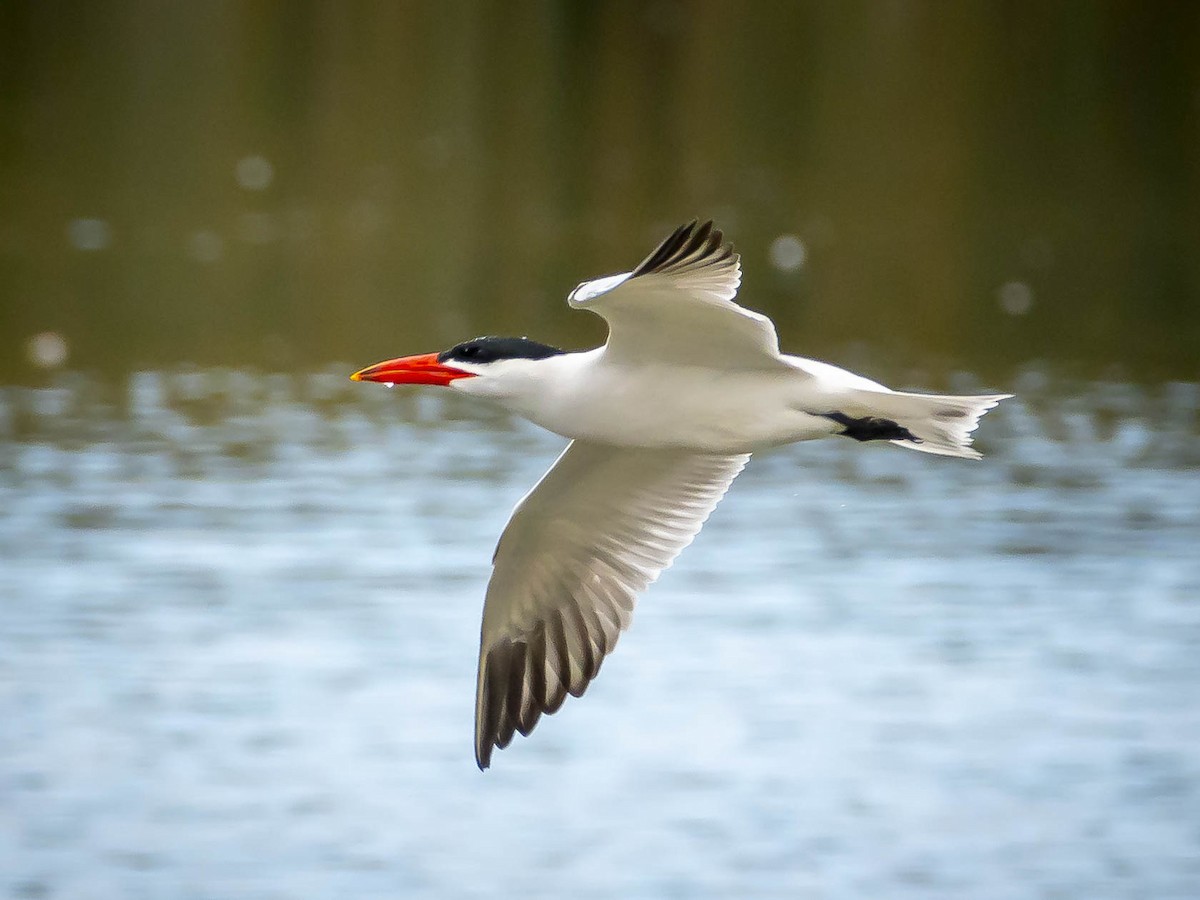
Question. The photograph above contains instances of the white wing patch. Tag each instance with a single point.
(590, 290)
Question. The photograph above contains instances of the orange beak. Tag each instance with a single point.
(423, 369)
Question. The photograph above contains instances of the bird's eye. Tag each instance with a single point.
(470, 350)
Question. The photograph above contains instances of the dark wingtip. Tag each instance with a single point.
(695, 237)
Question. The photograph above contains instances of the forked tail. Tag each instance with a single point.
(931, 423)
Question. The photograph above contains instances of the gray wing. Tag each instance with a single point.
(600, 526)
(677, 307)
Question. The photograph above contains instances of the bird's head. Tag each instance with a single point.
(486, 366)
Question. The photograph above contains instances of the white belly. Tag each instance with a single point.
(692, 408)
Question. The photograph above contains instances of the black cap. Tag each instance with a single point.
(489, 349)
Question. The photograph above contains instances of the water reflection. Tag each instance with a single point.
(239, 625)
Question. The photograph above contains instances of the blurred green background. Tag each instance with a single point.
(282, 185)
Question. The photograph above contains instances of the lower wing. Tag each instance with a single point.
(600, 526)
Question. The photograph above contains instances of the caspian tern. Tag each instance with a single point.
(661, 419)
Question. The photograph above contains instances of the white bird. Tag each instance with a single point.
(661, 419)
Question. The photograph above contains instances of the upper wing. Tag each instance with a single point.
(595, 531)
(677, 307)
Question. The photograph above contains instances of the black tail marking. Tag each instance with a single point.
(872, 428)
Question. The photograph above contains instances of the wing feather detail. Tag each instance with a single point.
(693, 246)
(677, 307)
(600, 526)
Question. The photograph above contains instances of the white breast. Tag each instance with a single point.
(655, 405)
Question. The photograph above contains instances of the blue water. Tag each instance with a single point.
(239, 620)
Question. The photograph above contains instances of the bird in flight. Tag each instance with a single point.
(661, 419)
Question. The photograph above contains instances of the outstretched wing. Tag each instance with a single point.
(600, 526)
(677, 307)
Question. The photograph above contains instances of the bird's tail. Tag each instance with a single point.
(937, 423)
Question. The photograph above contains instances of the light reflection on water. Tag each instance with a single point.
(238, 633)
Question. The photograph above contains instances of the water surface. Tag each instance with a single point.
(238, 626)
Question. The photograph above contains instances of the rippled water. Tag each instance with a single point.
(238, 625)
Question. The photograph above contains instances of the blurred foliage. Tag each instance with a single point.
(279, 185)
